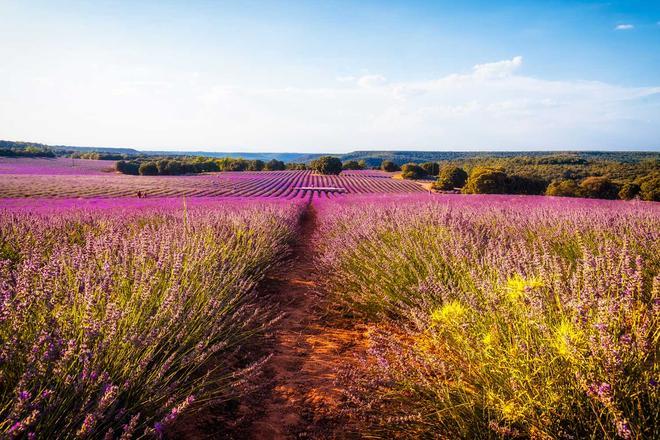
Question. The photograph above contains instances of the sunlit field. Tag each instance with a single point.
(66, 178)
(499, 316)
(189, 311)
(114, 320)
(329, 220)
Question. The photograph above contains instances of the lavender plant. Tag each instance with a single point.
(500, 316)
(115, 321)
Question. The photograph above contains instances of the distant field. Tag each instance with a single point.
(56, 166)
(52, 178)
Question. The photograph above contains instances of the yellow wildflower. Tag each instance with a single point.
(451, 313)
(517, 286)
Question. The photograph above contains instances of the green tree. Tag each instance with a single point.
(629, 191)
(326, 165)
(563, 188)
(352, 165)
(650, 187)
(389, 166)
(296, 166)
(526, 185)
(431, 168)
(412, 171)
(274, 165)
(598, 187)
(256, 165)
(450, 177)
(148, 169)
(486, 180)
(126, 167)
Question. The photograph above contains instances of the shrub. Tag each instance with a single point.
(296, 166)
(650, 187)
(326, 165)
(526, 185)
(256, 165)
(237, 165)
(412, 171)
(486, 180)
(171, 167)
(274, 165)
(431, 168)
(599, 188)
(128, 167)
(563, 188)
(148, 169)
(450, 177)
(352, 165)
(389, 166)
(629, 191)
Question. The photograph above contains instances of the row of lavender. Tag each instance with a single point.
(284, 184)
(493, 316)
(115, 319)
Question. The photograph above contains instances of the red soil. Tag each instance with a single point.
(299, 398)
(302, 399)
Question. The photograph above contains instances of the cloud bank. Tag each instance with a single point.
(493, 105)
(490, 107)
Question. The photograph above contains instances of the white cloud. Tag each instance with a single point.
(369, 81)
(493, 105)
(624, 27)
(499, 69)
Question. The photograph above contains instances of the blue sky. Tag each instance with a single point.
(331, 75)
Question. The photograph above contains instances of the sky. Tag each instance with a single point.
(331, 76)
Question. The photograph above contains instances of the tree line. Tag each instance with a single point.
(168, 166)
(609, 181)
(29, 151)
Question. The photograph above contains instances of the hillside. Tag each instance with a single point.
(372, 158)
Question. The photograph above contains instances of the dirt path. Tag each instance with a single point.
(297, 397)
(301, 400)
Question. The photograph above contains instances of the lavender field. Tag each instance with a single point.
(290, 304)
(497, 316)
(75, 178)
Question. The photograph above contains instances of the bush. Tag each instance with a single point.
(389, 166)
(486, 180)
(327, 165)
(125, 167)
(169, 167)
(629, 191)
(431, 168)
(353, 165)
(526, 185)
(412, 171)
(237, 165)
(599, 188)
(450, 177)
(256, 165)
(148, 169)
(563, 188)
(650, 187)
(296, 166)
(274, 165)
